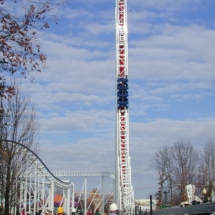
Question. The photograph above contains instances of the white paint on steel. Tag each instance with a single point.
(123, 188)
(33, 180)
(83, 173)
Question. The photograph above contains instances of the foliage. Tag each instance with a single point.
(19, 46)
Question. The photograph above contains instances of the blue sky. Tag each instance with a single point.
(171, 84)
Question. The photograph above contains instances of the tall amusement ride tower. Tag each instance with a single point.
(124, 190)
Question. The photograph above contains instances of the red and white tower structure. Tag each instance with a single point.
(124, 190)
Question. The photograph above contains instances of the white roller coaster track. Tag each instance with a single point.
(37, 184)
(84, 173)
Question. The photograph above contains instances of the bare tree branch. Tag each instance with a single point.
(18, 123)
(19, 48)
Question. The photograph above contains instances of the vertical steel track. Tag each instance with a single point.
(124, 190)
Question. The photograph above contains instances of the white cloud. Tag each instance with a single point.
(170, 64)
(168, 5)
(88, 120)
(92, 153)
(176, 53)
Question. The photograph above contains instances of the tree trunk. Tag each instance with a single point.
(7, 190)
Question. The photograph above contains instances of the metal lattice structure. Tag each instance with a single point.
(124, 190)
(36, 184)
(83, 173)
(106, 196)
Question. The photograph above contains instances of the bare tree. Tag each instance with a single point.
(160, 163)
(208, 158)
(207, 171)
(176, 166)
(18, 123)
(201, 179)
(184, 161)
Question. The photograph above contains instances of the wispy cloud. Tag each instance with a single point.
(171, 84)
